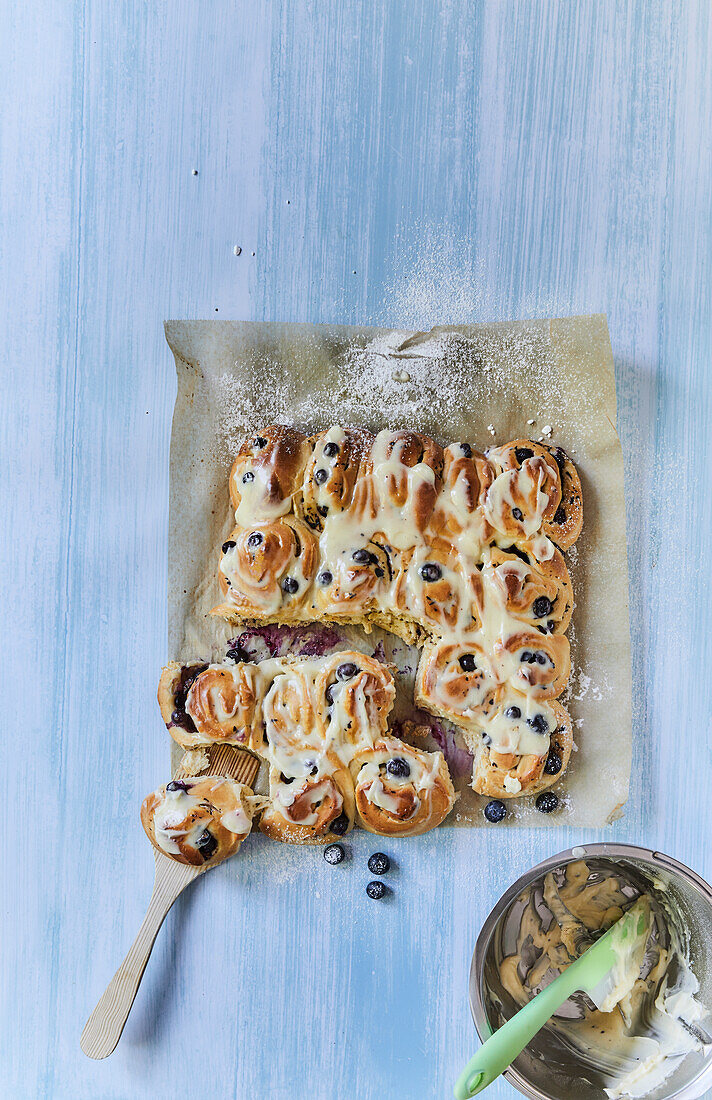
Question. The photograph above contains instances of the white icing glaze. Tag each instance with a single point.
(180, 815)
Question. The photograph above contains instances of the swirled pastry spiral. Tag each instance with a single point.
(434, 588)
(332, 471)
(400, 480)
(457, 515)
(293, 739)
(535, 592)
(357, 578)
(400, 790)
(456, 680)
(537, 664)
(316, 809)
(563, 515)
(267, 570)
(266, 474)
(198, 821)
(354, 695)
(523, 748)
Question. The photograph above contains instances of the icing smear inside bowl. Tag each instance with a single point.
(646, 1018)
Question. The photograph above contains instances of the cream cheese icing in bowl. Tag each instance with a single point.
(640, 1047)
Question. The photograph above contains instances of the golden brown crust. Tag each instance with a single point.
(198, 820)
(401, 790)
(306, 810)
(492, 769)
(269, 466)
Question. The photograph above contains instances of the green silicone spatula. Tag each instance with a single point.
(606, 972)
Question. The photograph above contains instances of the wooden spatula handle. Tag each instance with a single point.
(103, 1028)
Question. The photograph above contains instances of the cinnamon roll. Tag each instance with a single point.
(309, 809)
(354, 695)
(267, 473)
(399, 486)
(467, 475)
(353, 578)
(198, 821)
(400, 790)
(434, 589)
(455, 680)
(538, 664)
(173, 687)
(562, 518)
(293, 736)
(523, 748)
(218, 704)
(523, 499)
(565, 525)
(536, 592)
(267, 570)
(331, 472)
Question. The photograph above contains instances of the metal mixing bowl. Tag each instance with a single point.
(547, 1069)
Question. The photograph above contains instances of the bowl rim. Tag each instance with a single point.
(611, 850)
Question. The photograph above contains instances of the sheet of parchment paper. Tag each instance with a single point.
(482, 383)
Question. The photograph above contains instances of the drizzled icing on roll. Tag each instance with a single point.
(440, 546)
(196, 821)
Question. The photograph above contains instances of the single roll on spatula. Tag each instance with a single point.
(194, 823)
(607, 971)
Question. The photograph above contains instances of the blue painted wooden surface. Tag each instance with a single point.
(408, 163)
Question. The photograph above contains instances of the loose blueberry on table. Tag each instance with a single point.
(547, 802)
(333, 854)
(376, 890)
(495, 811)
(379, 863)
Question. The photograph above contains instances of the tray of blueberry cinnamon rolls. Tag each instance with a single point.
(383, 622)
(457, 552)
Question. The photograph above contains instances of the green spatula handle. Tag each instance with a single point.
(509, 1041)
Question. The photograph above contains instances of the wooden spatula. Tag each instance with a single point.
(103, 1028)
